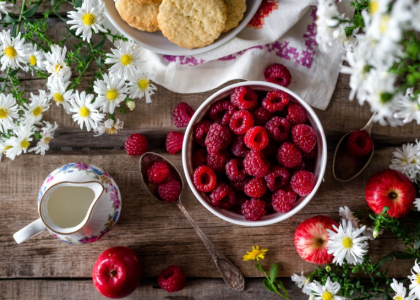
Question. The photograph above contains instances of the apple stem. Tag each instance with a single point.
(112, 273)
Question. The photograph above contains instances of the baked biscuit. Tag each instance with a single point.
(192, 23)
(235, 13)
(140, 16)
(149, 1)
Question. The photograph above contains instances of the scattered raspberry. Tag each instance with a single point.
(241, 121)
(302, 183)
(253, 209)
(311, 154)
(218, 138)
(223, 196)
(136, 145)
(289, 155)
(199, 158)
(262, 116)
(172, 279)
(256, 138)
(235, 169)
(174, 142)
(217, 161)
(279, 74)
(182, 115)
(304, 136)
(221, 112)
(255, 164)
(239, 185)
(204, 179)
(200, 132)
(158, 172)
(282, 201)
(359, 143)
(296, 114)
(278, 129)
(275, 101)
(277, 178)
(255, 188)
(169, 190)
(244, 98)
(238, 147)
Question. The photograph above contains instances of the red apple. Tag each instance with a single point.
(393, 189)
(311, 239)
(117, 272)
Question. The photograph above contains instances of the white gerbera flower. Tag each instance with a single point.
(125, 59)
(12, 50)
(34, 58)
(109, 126)
(400, 291)
(59, 94)
(302, 282)
(36, 108)
(111, 92)
(347, 243)
(56, 65)
(5, 8)
(8, 111)
(47, 133)
(327, 292)
(415, 281)
(408, 108)
(88, 17)
(407, 160)
(85, 112)
(20, 143)
(327, 20)
(139, 86)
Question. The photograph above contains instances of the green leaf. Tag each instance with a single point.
(387, 297)
(13, 73)
(280, 285)
(394, 254)
(78, 3)
(274, 271)
(100, 44)
(417, 244)
(268, 285)
(9, 19)
(30, 12)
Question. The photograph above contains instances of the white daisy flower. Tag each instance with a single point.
(357, 69)
(400, 291)
(125, 59)
(111, 92)
(58, 93)
(378, 7)
(415, 281)
(5, 8)
(415, 22)
(56, 65)
(327, 20)
(339, 34)
(139, 86)
(327, 292)
(47, 133)
(347, 243)
(36, 108)
(347, 215)
(8, 111)
(302, 282)
(84, 111)
(3, 148)
(34, 58)
(407, 108)
(407, 160)
(13, 51)
(109, 126)
(20, 143)
(88, 17)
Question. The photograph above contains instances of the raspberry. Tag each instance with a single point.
(136, 144)
(277, 178)
(235, 169)
(199, 158)
(311, 154)
(169, 190)
(296, 114)
(223, 196)
(221, 112)
(302, 182)
(239, 185)
(282, 201)
(200, 132)
(174, 142)
(289, 155)
(244, 98)
(255, 188)
(271, 149)
(299, 167)
(256, 138)
(256, 165)
(218, 138)
(158, 172)
(182, 115)
(262, 116)
(278, 129)
(218, 161)
(275, 101)
(241, 121)
(253, 209)
(172, 279)
(204, 179)
(278, 73)
(304, 136)
(359, 143)
(238, 147)
(267, 199)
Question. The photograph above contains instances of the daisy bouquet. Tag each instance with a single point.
(381, 45)
(25, 46)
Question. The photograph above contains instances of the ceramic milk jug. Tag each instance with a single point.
(77, 203)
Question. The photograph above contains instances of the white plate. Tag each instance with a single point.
(158, 43)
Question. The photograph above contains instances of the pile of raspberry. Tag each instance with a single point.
(160, 175)
(254, 153)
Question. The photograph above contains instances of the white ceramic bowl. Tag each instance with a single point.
(320, 164)
(156, 42)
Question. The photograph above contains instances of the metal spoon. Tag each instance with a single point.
(231, 275)
(346, 167)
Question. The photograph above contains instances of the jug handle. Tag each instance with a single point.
(29, 231)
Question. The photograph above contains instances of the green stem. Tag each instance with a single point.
(274, 287)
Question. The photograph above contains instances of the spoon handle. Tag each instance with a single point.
(231, 275)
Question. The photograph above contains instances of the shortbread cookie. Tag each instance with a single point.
(192, 23)
(149, 1)
(140, 16)
(235, 13)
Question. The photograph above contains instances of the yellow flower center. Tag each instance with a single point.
(418, 278)
(398, 298)
(7, 148)
(414, 161)
(88, 19)
(111, 130)
(47, 140)
(84, 111)
(144, 83)
(58, 98)
(327, 296)
(4, 113)
(58, 68)
(112, 94)
(24, 144)
(374, 6)
(347, 243)
(32, 60)
(384, 23)
(10, 52)
(37, 111)
(126, 59)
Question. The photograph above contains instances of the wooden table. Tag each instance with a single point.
(44, 268)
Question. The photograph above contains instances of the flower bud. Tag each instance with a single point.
(376, 232)
(328, 268)
(131, 105)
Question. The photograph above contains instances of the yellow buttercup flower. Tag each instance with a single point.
(255, 254)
